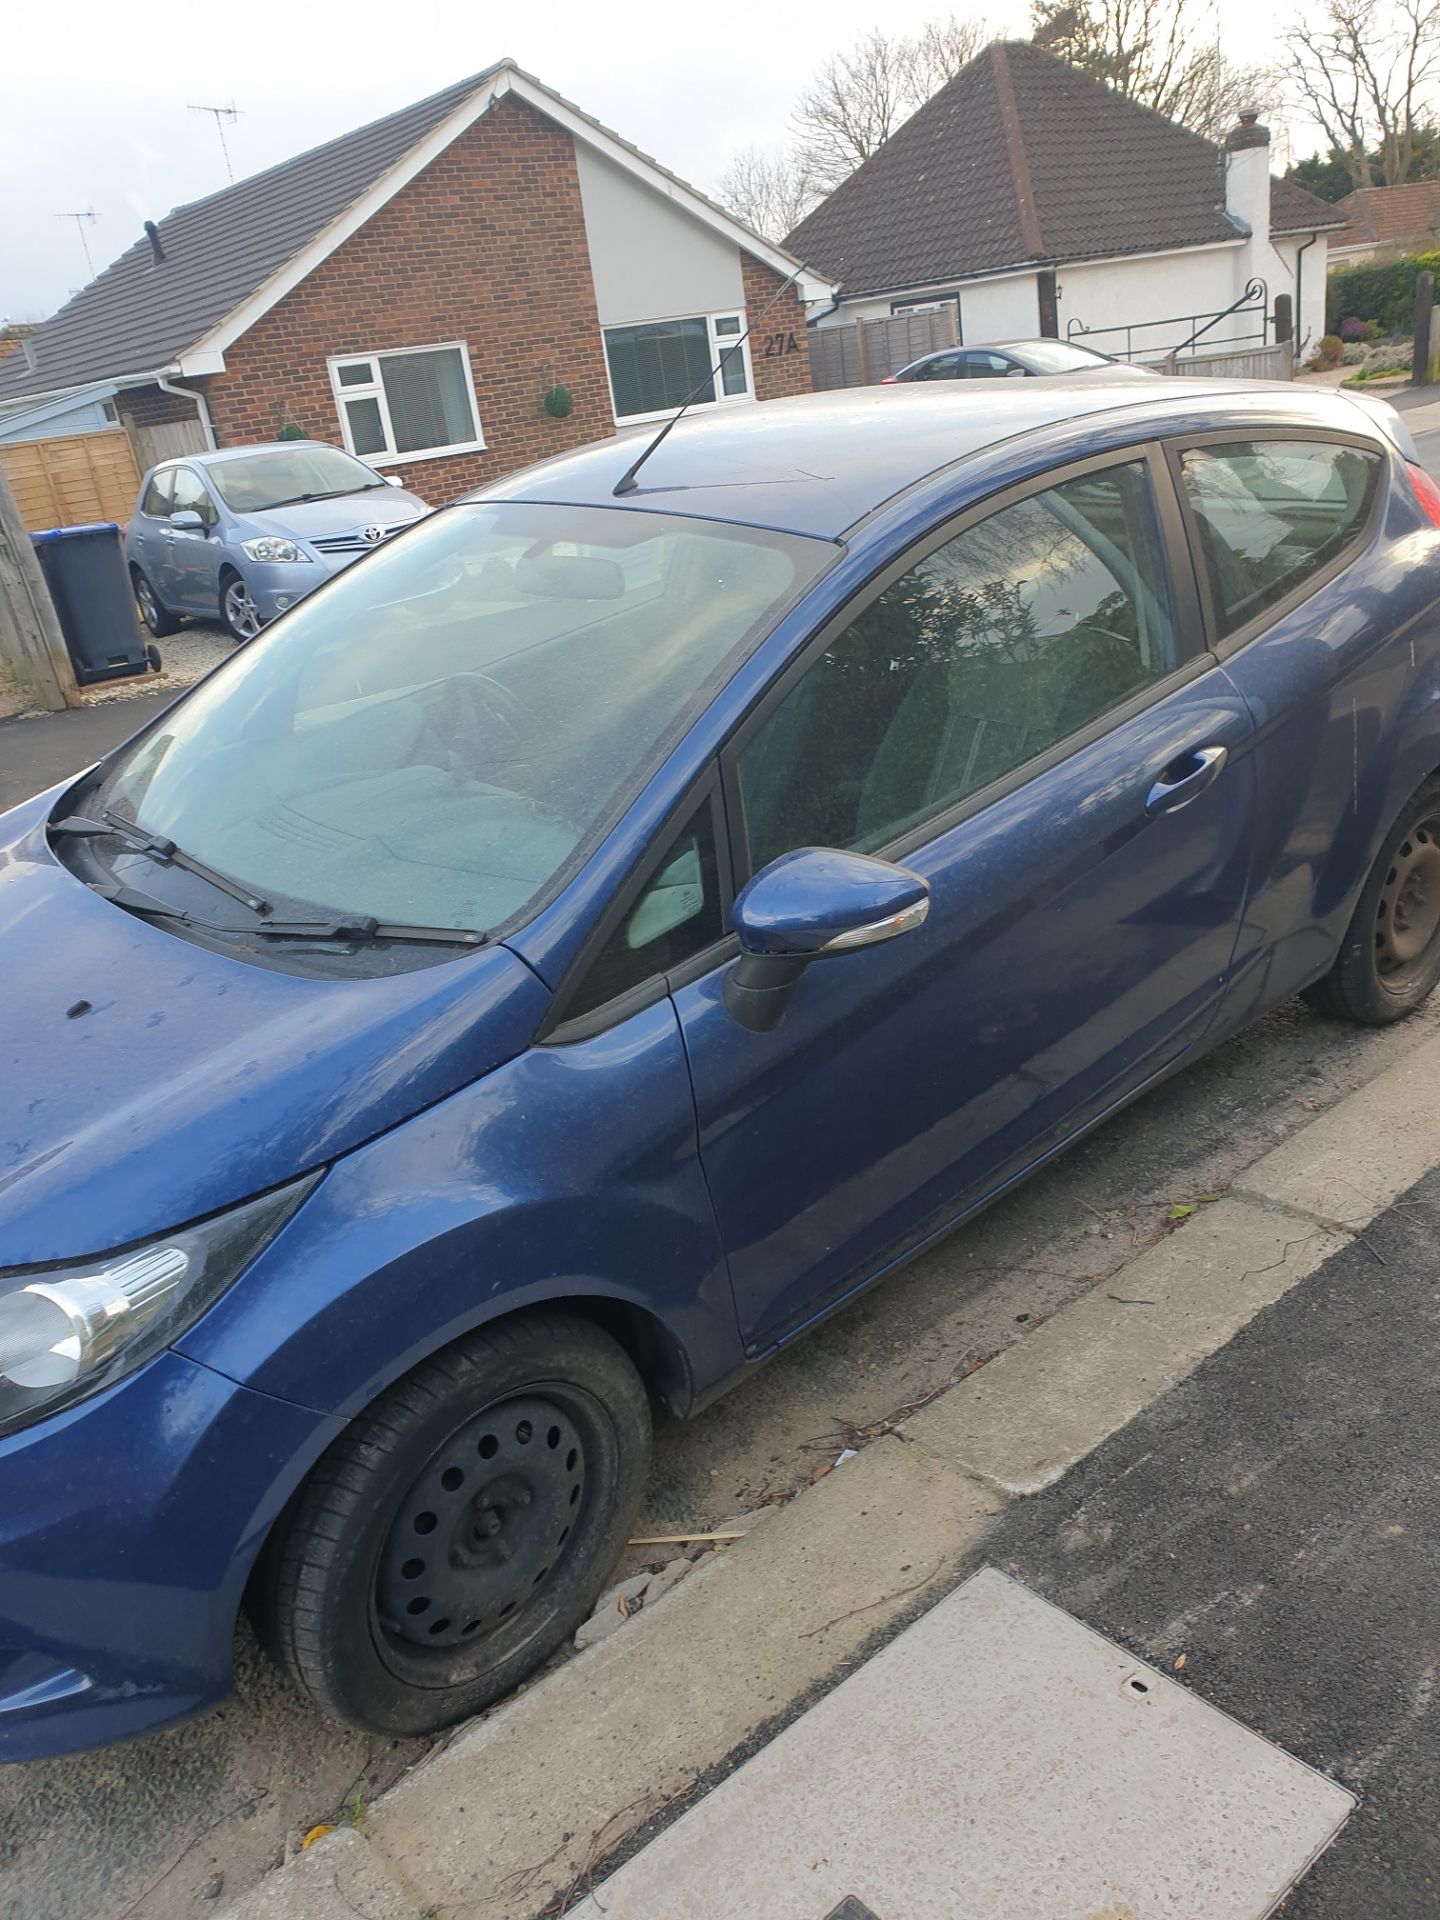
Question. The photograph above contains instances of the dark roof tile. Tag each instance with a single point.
(946, 197)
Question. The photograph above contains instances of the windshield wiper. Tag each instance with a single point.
(300, 499)
(139, 840)
(364, 928)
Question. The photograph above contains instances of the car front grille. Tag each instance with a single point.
(352, 542)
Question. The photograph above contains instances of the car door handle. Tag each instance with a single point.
(1186, 779)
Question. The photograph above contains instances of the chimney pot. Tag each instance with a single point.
(1249, 133)
(152, 234)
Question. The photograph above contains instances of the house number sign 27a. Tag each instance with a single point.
(778, 343)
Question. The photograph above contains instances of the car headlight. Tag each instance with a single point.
(270, 547)
(66, 1331)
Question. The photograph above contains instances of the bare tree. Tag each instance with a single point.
(859, 97)
(1366, 71)
(769, 188)
(1155, 52)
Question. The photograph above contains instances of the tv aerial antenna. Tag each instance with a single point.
(82, 220)
(223, 117)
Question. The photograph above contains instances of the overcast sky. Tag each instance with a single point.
(94, 96)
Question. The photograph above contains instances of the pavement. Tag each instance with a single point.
(1224, 1463)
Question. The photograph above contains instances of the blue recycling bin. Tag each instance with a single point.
(84, 569)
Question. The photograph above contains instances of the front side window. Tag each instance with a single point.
(1272, 514)
(989, 366)
(190, 495)
(1012, 637)
(414, 401)
(676, 917)
(440, 731)
(158, 494)
(657, 366)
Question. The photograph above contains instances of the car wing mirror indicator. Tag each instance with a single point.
(814, 904)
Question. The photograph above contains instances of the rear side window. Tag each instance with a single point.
(1273, 514)
(158, 494)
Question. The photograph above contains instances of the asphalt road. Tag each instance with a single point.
(1265, 1532)
(37, 751)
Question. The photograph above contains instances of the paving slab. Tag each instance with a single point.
(338, 1878)
(1021, 1422)
(997, 1759)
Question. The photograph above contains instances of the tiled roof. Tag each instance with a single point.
(1022, 160)
(137, 316)
(1390, 216)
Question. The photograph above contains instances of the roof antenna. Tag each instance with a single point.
(627, 480)
(221, 115)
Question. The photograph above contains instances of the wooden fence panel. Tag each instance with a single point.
(170, 441)
(73, 481)
(867, 351)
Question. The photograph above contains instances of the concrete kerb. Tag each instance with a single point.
(522, 1810)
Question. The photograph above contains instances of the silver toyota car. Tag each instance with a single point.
(247, 532)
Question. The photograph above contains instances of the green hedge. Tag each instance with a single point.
(1384, 293)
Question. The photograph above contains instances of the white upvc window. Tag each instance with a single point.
(407, 403)
(655, 365)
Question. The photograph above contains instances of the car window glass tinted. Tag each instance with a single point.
(1272, 513)
(676, 917)
(157, 495)
(189, 495)
(944, 366)
(1011, 637)
(988, 366)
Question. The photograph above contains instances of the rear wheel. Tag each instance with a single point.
(238, 609)
(1390, 958)
(459, 1531)
(158, 620)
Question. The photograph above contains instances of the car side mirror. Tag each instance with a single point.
(813, 904)
(392, 479)
(188, 521)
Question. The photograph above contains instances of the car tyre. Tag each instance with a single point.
(237, 607)
(159, 621)
(459, 1530)
(1389, 960)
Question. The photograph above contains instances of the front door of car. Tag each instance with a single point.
(192, 577)
(1023, 717)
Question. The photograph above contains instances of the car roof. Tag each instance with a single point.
(818, 463)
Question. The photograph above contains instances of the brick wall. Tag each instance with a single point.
(150, 407)
(779, 350)
(487, 245)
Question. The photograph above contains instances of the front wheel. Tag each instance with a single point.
(238, 609)
(458, 1532)
(1390, 958)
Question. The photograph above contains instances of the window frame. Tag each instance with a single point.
(1297, 432)
(162, 480)
(559, 1027)
(374, 389)
(1190, 633)
(718, 343)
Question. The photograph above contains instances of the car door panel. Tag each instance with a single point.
(1074, 947)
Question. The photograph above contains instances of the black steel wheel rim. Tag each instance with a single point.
(482, 1530)
(1407, 916)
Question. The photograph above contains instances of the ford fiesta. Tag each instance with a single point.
(589, 941)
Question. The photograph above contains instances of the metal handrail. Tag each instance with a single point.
(1256, 296)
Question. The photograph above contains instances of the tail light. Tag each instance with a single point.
(1427, 492)
(889, 380)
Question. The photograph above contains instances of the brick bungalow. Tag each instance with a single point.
(415, 289)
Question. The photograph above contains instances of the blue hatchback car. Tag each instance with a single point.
(588, 942)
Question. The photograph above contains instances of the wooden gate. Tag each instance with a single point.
(72, 481)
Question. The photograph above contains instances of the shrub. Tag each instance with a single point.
(1353, 329)
(1383, 294)
(1331, 351)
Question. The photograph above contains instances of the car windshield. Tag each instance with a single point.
(261, 480)
(1058, 356)
(439, 732)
